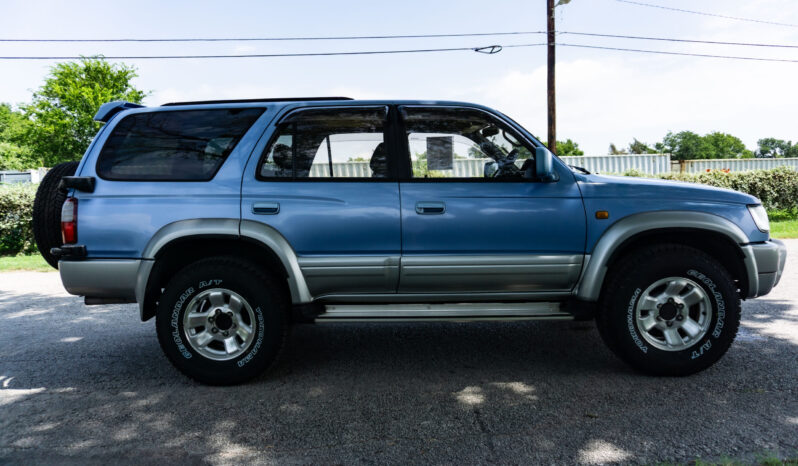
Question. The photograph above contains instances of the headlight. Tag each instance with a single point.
(760, 217)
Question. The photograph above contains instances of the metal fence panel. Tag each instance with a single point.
(738, 165)
(16, 177)
(646, 163)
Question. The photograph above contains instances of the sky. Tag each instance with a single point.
(603, 96)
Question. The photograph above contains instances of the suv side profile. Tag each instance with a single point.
(230, 221)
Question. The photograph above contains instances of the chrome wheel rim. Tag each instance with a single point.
(218, 324)
(673, 314)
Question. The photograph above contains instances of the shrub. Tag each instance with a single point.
(776, 188)
(16, 209)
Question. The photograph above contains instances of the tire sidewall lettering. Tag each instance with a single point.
(630, 321)
(175, 322)
(720, 304)
(258, 341)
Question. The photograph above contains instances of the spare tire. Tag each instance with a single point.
(47, 210)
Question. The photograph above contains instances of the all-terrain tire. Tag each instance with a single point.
(47, 210)
(622, 318)
(203, 289)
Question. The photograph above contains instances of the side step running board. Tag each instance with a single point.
(442, 312)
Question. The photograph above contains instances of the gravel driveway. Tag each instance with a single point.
(90, 385)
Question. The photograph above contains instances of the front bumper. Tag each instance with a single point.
(769, 258)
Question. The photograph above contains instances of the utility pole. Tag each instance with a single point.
(552, 102)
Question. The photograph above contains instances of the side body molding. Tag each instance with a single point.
(259, 232)
(595, 269)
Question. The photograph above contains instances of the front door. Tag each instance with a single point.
(474, 218)
(324, 181)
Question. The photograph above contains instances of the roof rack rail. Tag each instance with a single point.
(243, 101)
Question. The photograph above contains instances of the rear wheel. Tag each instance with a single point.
(669, 310)
(221, 321)
(47, 210)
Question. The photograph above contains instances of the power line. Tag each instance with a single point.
(669, 39)
(264, 39)
(687, 54)
(703, 13)
(406, 36)
(490, 49)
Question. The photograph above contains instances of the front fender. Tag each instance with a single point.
(596, 267)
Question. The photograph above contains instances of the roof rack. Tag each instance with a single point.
(243, 101)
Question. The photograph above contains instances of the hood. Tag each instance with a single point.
(603, 186)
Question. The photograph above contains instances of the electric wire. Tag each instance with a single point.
(687, 54)
(703, 13)
(672, 39)
(300, 38)
(490, 49)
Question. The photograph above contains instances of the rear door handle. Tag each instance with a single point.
(430, 208)
(266, 208)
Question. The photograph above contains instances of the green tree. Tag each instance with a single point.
(14, 154)
(62, 111)
(613, 150)
(772, 147)
(639, 147)
(687, 145)
(726, 146)
(568, 148)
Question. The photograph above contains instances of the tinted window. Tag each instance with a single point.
(464, 143)
(328, 143)
(178, 145)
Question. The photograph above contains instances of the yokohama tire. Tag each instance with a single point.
(199, 292)
(637, 295)
(47, 210)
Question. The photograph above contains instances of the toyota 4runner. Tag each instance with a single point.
(229, 221)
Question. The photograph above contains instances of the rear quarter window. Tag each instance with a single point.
(183, 145)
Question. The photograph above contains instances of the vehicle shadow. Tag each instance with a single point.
(82, 383)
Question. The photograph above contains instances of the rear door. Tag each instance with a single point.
(474, 218)
(324, 179)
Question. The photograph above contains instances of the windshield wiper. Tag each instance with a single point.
(581, 169)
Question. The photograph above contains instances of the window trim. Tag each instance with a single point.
(172, 180)
(388, 135)
(407, 175)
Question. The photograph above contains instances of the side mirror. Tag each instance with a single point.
(490, 169)
(544, 166)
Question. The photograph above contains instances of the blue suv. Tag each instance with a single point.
(229, 221)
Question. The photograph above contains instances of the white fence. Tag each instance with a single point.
(735, 165)
(28, 176)
(646, 163)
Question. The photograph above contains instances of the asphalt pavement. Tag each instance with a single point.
(89, 385)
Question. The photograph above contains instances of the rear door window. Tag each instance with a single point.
(329, 143)
(184, 145)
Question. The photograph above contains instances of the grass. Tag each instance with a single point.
(783, 223)
(33, 262)
(784, 229)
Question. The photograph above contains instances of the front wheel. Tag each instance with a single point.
(222, 321)
(669, 310)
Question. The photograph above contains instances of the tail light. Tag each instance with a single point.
(69, 221)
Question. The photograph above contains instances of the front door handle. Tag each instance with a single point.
(266, 208)
(430, 208)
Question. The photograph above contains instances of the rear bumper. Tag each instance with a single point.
(101, 278)
(769, 258)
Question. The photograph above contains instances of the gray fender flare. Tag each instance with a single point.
(595, 270)
(264, 234)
